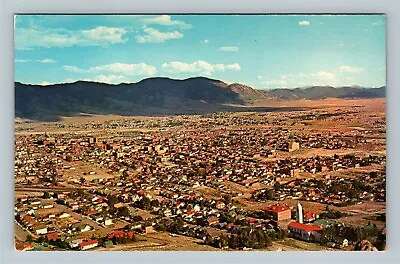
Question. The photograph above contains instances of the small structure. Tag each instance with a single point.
(88, 244)
(73, 243)
(40, 229)
(52, 236)
(22, 246)
(338, 242)
(108, 222)
(310, 217)
(149, 229)
(293, 146)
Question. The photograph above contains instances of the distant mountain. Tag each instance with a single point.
(322, 92)
(159, 96)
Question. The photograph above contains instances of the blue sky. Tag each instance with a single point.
(270, 51)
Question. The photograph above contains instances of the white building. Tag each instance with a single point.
(40, 230)
(299, 213)
(88, 244)
(108, 222)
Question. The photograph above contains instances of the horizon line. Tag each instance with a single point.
(200, 77)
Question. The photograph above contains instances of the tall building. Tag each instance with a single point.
(299, 213)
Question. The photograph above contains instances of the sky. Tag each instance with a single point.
(262, 51)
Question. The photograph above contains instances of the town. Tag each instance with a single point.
(312, 179)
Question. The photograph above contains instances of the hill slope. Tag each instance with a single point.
(158, 96)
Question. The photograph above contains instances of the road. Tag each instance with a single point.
(21, 233)
(84, 219)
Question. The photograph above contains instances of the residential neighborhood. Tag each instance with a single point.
(103, 189)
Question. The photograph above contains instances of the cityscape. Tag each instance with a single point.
(190, 163)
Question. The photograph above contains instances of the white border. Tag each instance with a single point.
(9, 7)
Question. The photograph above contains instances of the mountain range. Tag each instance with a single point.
(161, 96)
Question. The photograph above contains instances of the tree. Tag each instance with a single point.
(111, 199)
(155, 203)
(270, 194)
(277, 186)
(124, 211)
(46, 195)
(125, 174)
(228, 198)
(29, 238)
(82, 180)
(146, 202)
(161, 227)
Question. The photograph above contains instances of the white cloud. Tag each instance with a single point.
(117, 69)
(166, 20)
(206, 41)
(142, 69)
(46, 61)
(346, 68)
(153, 35)
(73, 68)
(21, 61)
(229, 48)
(325, 76)
(27, 39)
(106, 35)
(234, 66)
(114, 79)
(304, 23)
(41, 61)
(219, 67)
(199, 67)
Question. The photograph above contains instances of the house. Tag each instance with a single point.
(48, 206)
(149, 229)
(23, 199)
(197, 208)
(73, 243)
(52, 236)
(63, 215)
(212, 220)
(305, 232)
(22, 246)
(88, 244)
(310, 217)
(220, 205)
(74, 206)
(339, 242)
(119, 205)
(86, 228)
(279, 212)
(293, 146)
(167, 212)
(40, 229)
(108, 221)
(80, 227)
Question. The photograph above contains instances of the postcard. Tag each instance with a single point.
(200, 132)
